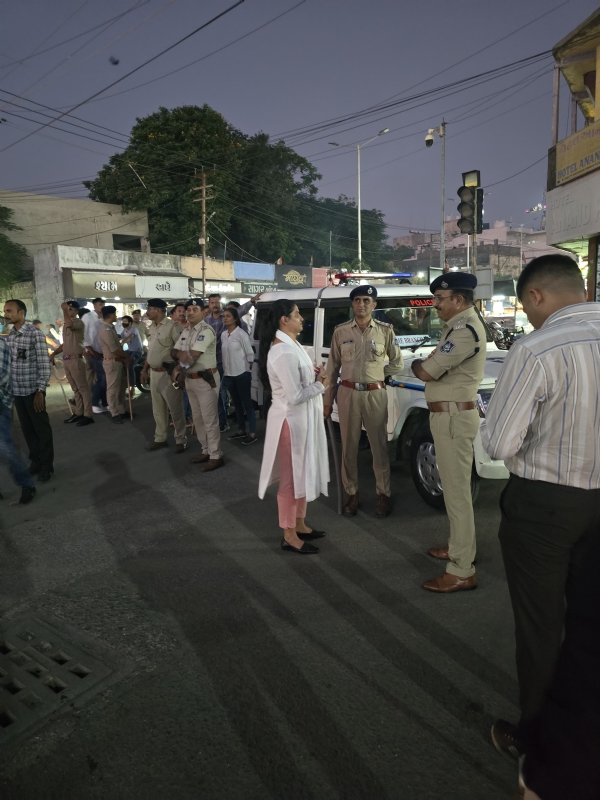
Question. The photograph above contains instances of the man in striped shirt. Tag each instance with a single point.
(544, 421)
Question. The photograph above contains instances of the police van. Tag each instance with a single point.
(418, 330)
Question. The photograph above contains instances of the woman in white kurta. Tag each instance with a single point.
(295, 444)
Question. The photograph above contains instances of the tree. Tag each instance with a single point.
(12, 254)
(402, 252)
(263, 205)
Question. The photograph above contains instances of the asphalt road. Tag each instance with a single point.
(247, 672)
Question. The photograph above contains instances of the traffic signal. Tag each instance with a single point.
(466, 209)
(470, 209)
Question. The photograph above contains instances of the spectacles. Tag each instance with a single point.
(440, 297)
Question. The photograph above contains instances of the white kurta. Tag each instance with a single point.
(297, 398)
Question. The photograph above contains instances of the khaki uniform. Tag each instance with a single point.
(203, 400)
(115, 370)
(162, 338)
(143, 332)
(362, 357)
(75, 367)
(457, 365)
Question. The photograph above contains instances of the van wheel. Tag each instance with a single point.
(424, 470)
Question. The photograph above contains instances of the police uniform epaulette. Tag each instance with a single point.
(384, 324)
(348, 322)
(460, 323)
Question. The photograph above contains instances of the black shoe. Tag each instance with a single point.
(117, 419)
(34, 469)
(312, 535)
(45, 475)
(27, 495)
(506, 739)
(224, 427)
(249, 440)
(72, 418)
(83, 421)
(237, 435)
(305, 550)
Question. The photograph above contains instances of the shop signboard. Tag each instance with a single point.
(319, 278)
(573, 211)
(293, 277)
(219, 287)
(578, 154)
(257, 287)
(172, 288)
(108, 285)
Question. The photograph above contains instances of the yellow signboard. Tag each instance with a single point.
(578, 154)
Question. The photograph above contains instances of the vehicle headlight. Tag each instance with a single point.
(483, 400)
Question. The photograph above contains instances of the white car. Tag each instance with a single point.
(418, 330)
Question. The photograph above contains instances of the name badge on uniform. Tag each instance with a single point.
(447, 347)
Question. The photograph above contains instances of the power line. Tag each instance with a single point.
(520, 172)
(131, 72)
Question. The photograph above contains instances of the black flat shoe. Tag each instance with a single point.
(72, 418)
(312, 535)
(305, 550)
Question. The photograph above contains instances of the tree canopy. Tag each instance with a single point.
(263, 204)
(12, 254)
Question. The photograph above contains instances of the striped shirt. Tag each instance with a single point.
(544, 416)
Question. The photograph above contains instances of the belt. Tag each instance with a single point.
(68, 358)
(115, 359)
(363, 387)
(194, 375)
(158, 369)
(444, 405)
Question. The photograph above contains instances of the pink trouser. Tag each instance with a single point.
(290, 507)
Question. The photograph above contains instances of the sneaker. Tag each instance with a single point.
(506, 739)
(237, 435)
(249, 440)
(45, 475)
(98, 409)
(27, 495)
(224, 427)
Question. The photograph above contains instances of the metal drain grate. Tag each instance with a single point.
(41, 671)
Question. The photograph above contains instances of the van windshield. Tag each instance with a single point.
(414, 319)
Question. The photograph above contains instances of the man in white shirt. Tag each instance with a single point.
(93, 349)
(544, 421)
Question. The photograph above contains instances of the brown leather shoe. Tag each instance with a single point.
(200, 459)
(383, 507)
(351, 506)
(156, 446)
(213, 463)
(180, 448)
(450, 583)
(439, 552)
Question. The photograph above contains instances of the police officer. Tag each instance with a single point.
(114, 359)
(162, 338)
(75, 367)
(360, 347)
(452, 374)
(196, 352)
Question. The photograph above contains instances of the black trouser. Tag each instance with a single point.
(37, 432)
(548, 533)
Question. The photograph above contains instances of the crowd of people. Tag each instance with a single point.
(542, 420)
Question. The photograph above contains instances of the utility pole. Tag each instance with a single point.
(330, 250)
(202, 240)
(442, 135)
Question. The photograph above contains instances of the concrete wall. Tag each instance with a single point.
(215, 270)
(55, 220)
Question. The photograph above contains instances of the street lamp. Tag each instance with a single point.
(429, 136)
(358, 149)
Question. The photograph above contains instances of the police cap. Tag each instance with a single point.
(454, 280)
(363, 291)
(157, 303)
(73, 304)
(196, 301)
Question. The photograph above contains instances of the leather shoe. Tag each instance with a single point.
(450, 583)
(83, 421)
(351, 506)
(202, 459)
(156, 446)
(72, 418)
(383, 507)
(439, 552)
(306, 549)
(306, 537)
(180, 448)
(213, 463)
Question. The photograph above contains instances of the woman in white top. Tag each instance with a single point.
(295, 444)
(238, 357)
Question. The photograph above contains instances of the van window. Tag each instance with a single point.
(335, 315)
(307, 336)
(411, 322)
